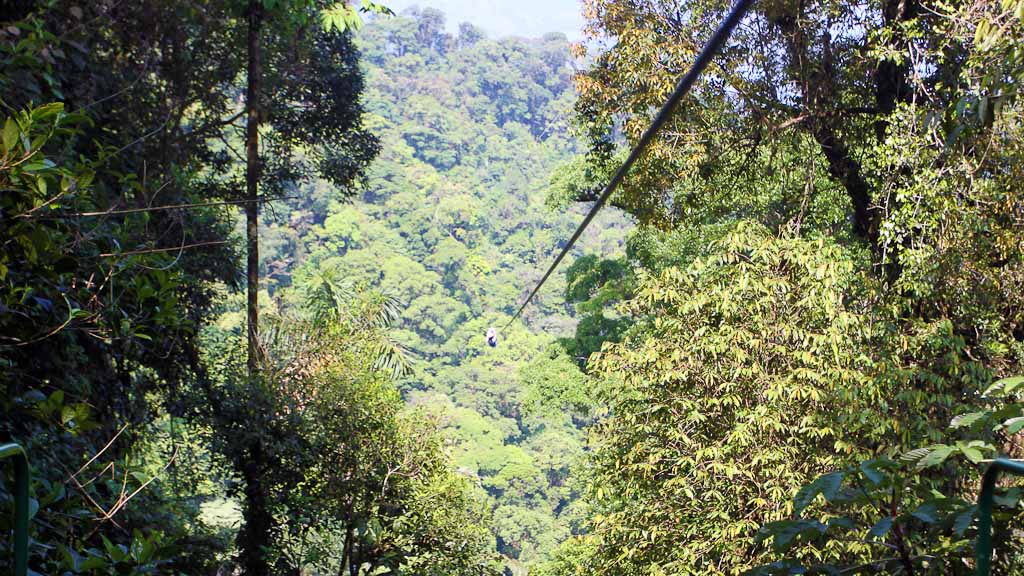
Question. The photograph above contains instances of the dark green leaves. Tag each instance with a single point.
(881, 528)
(877, 471)
(827, 486)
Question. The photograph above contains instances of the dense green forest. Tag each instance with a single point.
(454, 222)
(252, 249)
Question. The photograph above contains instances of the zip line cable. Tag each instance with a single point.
(682, 88)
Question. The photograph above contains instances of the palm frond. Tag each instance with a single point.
(329, 297)
(289, 346)
(393, 358)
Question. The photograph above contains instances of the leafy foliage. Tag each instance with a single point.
(761, 337)
(452, 224)
(904, 311)
(101, 301)
(912, 516)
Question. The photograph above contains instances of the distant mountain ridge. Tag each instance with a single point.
(502, 18)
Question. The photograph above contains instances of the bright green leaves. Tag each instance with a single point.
(740, 367)
(28, 130)
(595, 286)
(143, 553)
(47, 111)
(1003, 413)
(73, 417)
(451, 220)
(341, 17)
(22, 161)
(989, 32)
(347, 455)
(968, 420)
(732, 343)
(36, 187)
(554, 384)
(708, 338)
(973, 450)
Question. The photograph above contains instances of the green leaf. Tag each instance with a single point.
(968, 420)
(1009, 499)
(872, 470)
(827, 485)
(971, 452)
(37, 143)
(11, 133)
(786, 532)
(980, 32)
(881, 528)
(936, 457)
(926, 513)
(963, 521)
(915, 454)
(376, 8)
(1014, 425)
(47, 110)
(137, 548)
(1005, 385)
(930, 456)
(67, 414)
(55, 495)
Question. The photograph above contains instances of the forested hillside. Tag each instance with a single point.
(454, 223)
(365, 427)
(823, 290)
(253, 251)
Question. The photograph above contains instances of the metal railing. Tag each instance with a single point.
(17, 453)
(983, 547)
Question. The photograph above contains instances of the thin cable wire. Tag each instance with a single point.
(112, 212)
(682, 88)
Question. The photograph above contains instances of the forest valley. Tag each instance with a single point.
(251, 250)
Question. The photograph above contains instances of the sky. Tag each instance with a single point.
(529, 18)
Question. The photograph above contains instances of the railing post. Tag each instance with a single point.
(983, 546)
(16, 452)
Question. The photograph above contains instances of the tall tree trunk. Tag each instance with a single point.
(353, 556)
(346, 551)
(892, 84)
(816, 79)
(252, 174)
(255, 535)
(844, 167)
